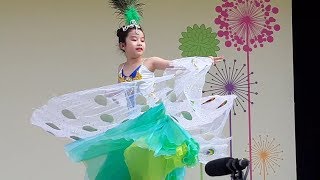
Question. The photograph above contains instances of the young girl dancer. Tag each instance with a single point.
(145, 127)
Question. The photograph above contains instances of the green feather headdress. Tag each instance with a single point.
(128, 10)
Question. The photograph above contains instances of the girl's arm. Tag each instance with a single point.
(158, 63)
(162, 64)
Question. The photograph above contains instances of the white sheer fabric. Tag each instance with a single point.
(86, 113)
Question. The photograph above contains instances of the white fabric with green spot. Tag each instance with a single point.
(83, 114)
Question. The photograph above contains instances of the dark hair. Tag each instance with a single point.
(122, 35)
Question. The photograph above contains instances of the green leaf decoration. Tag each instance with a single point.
(186, 115)
(141, 100)
(101, 100)
(53, 126)
(107, 118)
(145, 108)
(68, 114)
(170, 83)
(173, 97)
(89, 128)
(75, 138)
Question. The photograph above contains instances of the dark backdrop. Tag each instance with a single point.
(306, 50)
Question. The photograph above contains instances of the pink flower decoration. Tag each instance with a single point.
(246, 24)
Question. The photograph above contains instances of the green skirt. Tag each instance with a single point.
(151, 146)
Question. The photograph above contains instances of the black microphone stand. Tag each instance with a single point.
(236, 173)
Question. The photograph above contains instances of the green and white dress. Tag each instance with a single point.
(147, 128)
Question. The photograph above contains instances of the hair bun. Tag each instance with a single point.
(119, 32)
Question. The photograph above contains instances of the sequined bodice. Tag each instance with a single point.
(141, 72)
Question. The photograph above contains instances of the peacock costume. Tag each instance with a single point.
(146, 127)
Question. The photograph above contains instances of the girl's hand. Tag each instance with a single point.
(216, 59)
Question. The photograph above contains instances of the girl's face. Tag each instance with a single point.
(135, 44)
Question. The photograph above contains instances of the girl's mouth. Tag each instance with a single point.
(139, 49)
